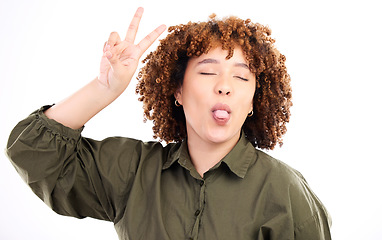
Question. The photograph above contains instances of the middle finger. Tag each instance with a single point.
(133, 27)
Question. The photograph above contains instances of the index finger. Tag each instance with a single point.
(133, 27)
(145, 43)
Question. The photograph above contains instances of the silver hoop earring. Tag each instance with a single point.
(177, 103)
(250, 114)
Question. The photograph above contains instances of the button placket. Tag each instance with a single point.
(198, 212)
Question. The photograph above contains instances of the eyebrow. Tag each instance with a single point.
(211, 60)
(208, 60)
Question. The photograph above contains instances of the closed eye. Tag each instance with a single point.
(244, 79)
(207, 73)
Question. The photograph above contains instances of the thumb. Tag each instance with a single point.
(113, 54)
(104, 69)
(112, 65)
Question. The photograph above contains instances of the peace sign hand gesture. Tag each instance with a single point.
(120, 58)
(118, 65)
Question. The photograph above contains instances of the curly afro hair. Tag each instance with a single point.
(163, 72)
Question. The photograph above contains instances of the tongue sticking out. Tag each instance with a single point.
(221, 114)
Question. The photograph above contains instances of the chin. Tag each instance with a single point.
(220, 136)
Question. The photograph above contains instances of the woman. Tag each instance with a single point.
(215, 90)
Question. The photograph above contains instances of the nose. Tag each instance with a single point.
(223, 86)
(224, 92)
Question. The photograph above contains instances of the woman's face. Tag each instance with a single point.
(217, 96)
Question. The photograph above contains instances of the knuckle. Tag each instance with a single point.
(132, 26)
(149, 38)
(113, 36)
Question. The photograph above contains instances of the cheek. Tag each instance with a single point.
(194, 101)
(249, 107)
(248, 99)
(195, 91)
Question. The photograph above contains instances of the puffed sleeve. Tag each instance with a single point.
(73, 175)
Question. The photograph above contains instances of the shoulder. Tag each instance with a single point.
(288, 185)
(127, 147)
(114, 153)
(276, 169)
(283, 177)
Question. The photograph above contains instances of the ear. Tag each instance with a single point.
(178, 95)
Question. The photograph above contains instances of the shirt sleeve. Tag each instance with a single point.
(73, 175)
(317, 225)
(316, 228)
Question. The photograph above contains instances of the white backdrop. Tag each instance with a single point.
(49, 49)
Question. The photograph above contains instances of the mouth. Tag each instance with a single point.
(221, 113)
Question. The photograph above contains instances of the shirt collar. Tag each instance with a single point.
(178, 151)
(238, 159)
(241, 156)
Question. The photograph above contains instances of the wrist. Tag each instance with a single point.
(110, 90)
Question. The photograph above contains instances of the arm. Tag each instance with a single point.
(68, 172)
(73, 175)
(118, 65)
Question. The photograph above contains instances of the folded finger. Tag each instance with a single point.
(114, 54)
(113, 40)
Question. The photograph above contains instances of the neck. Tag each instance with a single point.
(204, 155)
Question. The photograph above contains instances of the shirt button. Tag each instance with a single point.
(197, 212)
(201, 183)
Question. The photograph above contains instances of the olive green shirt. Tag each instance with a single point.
(150, 191)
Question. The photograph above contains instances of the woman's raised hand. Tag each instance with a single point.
(121, 57)
(118, 65)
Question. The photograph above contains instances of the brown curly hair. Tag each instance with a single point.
(163, 72)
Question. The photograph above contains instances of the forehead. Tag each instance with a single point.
(219, 55)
